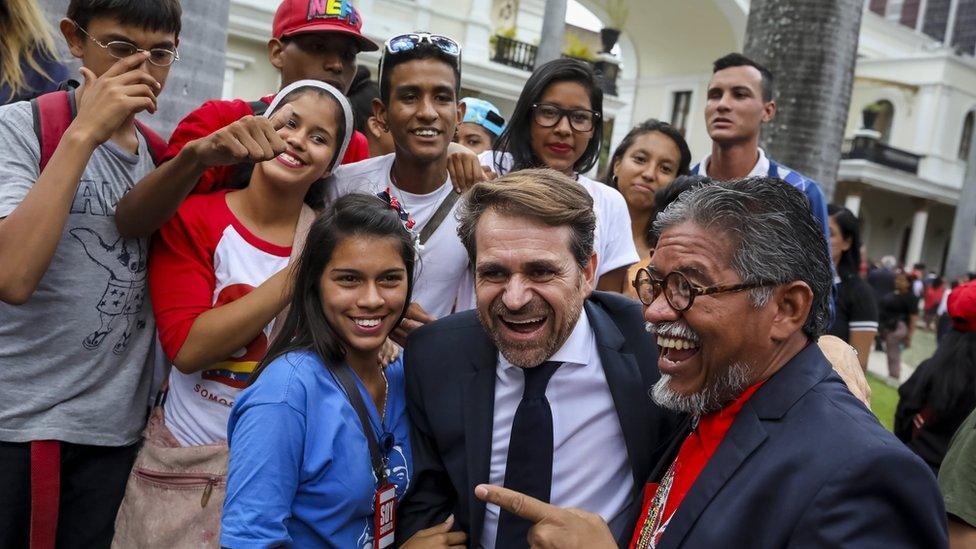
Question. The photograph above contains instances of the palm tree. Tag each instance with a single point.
(811, 48)
(193, 80)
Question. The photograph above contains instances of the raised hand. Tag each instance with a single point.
(107, 101)
(250, 139)
(553, 527)
(464, 168)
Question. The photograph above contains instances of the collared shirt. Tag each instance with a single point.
(696, 450)
(760, 169)
(590, 465)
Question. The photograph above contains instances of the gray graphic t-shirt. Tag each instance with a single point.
(76, 359)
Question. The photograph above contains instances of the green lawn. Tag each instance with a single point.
(884, 398)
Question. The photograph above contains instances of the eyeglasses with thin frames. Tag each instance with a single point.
(120, 49)
(548, 115)
(679, 292)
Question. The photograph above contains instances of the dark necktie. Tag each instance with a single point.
(529, 465)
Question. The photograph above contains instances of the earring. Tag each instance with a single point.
(613, 180)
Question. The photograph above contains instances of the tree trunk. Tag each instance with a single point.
(553, 30)
(811, 48)
(199, 74)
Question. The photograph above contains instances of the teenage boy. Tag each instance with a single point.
(311, 40)
(76, 334)
(740, 100)
(420, 76)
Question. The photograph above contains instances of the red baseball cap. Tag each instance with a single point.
(962, 307)
(305, 16)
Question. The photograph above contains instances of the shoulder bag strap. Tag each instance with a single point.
(439, 215)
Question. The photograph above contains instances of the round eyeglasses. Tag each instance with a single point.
(120, 49)
(547, 116)
(679, 291)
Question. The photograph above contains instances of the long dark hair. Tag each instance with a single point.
(516, 139)
(649, 126)
(305, 327)
(949, 376)
(850, 260)
(315, 197)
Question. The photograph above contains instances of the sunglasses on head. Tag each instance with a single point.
(407, 42)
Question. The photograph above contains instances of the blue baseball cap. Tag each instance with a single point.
(484, 114)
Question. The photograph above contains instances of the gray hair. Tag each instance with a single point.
(775, 237)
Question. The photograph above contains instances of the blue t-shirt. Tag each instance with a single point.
(299, 472)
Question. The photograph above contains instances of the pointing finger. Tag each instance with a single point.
(520, 504)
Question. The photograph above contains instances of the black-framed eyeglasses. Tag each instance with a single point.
(406, 42)
(547, 116)
(120, 49)
(679, 291)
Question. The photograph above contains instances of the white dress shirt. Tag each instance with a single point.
(590, 465)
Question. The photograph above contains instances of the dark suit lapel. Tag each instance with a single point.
(479, 407)
(742, 439)
(626, 384)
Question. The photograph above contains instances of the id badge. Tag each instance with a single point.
(384, 519)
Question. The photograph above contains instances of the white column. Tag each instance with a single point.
(478, 31)
(920, 20)
(853, 203)
(917, 238)
(951, 23)
(972, 258)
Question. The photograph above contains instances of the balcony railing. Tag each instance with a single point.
(513, 53)
(869, 148)
(521, 55)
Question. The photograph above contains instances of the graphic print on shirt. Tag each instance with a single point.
(398, 473)
(121, 302)
(236, 369)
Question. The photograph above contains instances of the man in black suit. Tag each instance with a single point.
(777, 452)
(544, 388)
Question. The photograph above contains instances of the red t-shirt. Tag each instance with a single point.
(694, 454)
(214, 115)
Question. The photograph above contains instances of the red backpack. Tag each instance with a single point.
(53, 113)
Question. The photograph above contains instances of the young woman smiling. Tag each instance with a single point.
(322, 428)
(557, 123)
(648, 159)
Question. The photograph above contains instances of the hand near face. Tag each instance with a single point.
(250, 139)
(414, 318)
(110, 99)
(464, 167)
(553, 527)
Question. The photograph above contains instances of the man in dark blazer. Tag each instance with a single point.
(776, 452)
(530, 237)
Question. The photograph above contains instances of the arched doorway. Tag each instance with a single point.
(878, 116)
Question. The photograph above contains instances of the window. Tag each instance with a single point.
(878, 116)
(680, 106)
(967, 136)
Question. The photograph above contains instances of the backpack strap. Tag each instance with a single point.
(156, 144)
(53, 113)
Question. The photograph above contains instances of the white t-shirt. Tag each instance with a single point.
(613, 242)
(442, 277)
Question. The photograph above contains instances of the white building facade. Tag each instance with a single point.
(903, 179)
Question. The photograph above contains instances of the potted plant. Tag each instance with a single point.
(578, 49)
(617, 11)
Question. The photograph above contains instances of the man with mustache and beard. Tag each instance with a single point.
(776, 451)
(543, 388)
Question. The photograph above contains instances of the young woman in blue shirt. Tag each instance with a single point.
(301, 469)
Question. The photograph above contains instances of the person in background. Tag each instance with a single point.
(943, 324)
(76, 330)
(932, 300)
(957, 479)
(482, 125)
(648, 159)
(301, 472)
(310, 40)
(941, 392)
(362, 93)
(29, 63)
(856, 315)
(558, 123)
(898, 312)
